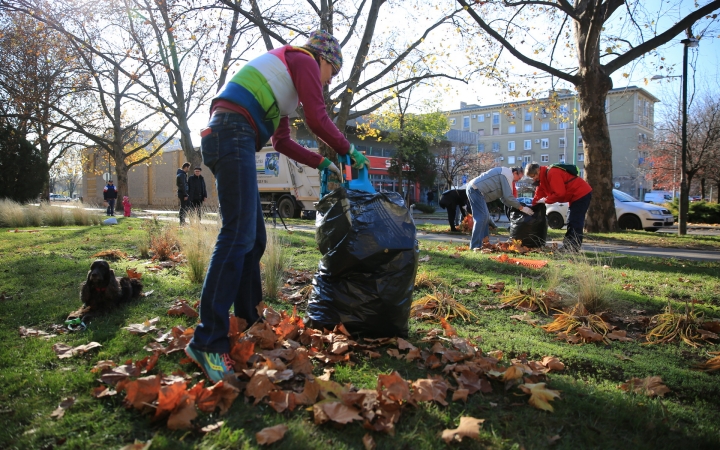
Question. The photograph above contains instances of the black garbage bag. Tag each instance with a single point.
(531, 230)
(370, 256)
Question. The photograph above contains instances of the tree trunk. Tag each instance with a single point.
(191, 155)
(702, 188)
(592, 122)
(121, 181)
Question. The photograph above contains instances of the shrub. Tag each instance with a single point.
(82, 216)
(198, 241)
(24, 169)
(698, 212)
(53, 216)
(428, 209)
(273, 263)
(12, 214)
(33, 215)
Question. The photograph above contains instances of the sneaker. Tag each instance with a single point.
(215, 365)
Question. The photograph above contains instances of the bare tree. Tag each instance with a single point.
(607, 35)
(453, 161)
(372, 58)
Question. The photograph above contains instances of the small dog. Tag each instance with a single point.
(103, 291)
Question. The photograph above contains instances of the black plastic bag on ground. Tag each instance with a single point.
(370, 256)
(531, 230)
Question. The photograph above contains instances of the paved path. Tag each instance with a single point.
(678, 253)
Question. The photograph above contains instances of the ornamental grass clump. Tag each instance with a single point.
(12, 214)
(531, 300)
(439, 304)
(427, 280)
(273, 264)
(198, 241)
(583, 325)
(54, 216)
(672, 325)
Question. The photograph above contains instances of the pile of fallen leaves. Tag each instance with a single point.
(274, 364)
(531, 300)
(297, 287)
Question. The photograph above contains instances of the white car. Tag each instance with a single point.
(59, 198)
(632, 214)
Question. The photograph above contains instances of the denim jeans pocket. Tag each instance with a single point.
(229, 132)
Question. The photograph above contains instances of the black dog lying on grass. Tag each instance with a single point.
(103, 291)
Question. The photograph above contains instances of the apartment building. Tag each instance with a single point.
(544, 131)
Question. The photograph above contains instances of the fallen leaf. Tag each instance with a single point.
(182, 416)
(212, 427)
(618, 335)
(138, 445)
(62, 407)
(650, 386)
(142, 328)
(460, 394)
(271, 434)
(539, 396)
(64, 351)
(337, 412)
(424, 258)
(369, 442)
(469, 427)
(132, 273)
(181, 307)
(552, 363)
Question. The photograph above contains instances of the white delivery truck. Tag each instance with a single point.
(658, 197)
(292, 186)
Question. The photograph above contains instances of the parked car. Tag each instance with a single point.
(695, 198)
(59, 198)
(632, 214)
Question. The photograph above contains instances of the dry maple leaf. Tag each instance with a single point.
(650, 386)
(132, 273)
(258, 387)
(183, 414)
(181, 307)
(540, 397)
(618, 335)
(269, 435)
(140, 392)
(369, 442)
(62, 407)
(340, 413)
(460, 394)
(552, 363)
(469, 427)
(142, 328)
(404, 345)
(429, 389)
(64, 351)
(393, 386)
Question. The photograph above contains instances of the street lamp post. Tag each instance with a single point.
(684, 188)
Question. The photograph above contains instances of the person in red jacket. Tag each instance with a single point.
(557, 185)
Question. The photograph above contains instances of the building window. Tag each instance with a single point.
(481, 147)
(511, 160)
(546, 126)
(466, 122)
(511, 115)
(511, 146)
(496, 132)
(526, 160)
(562, 125)
(642, 138)
(581, 173)
(481, 117)
(580, 141)
(496, 119)
(495, 147)
(561, 158)
(527, 144)
(545, 143)
(528, 116)
(544, 158)
(511, 129)
(581, 156)
(561, 142)
(481, 132)
(452, 121)
(528, 127)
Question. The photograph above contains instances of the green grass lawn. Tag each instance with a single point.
(40, 275)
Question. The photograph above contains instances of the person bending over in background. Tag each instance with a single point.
(557, 185)
(452, 200)
(497, 183)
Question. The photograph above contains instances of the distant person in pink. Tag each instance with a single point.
(126, 205)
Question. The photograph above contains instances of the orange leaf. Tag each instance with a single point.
(271, 434)
(181, 307)
(237, 325)
(553, 363)
(141, 391)
(241, 352)
(469, 427)
(301, 363)
(132, 273)
(309, 394)
(259, 386)
(183, 414)
(221, 395)
(449, 330)
(396, 388)
(282, 400)
(169, 398)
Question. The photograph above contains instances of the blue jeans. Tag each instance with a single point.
(576, 222)
(111, 207)
(233, 275)
(481, 217)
